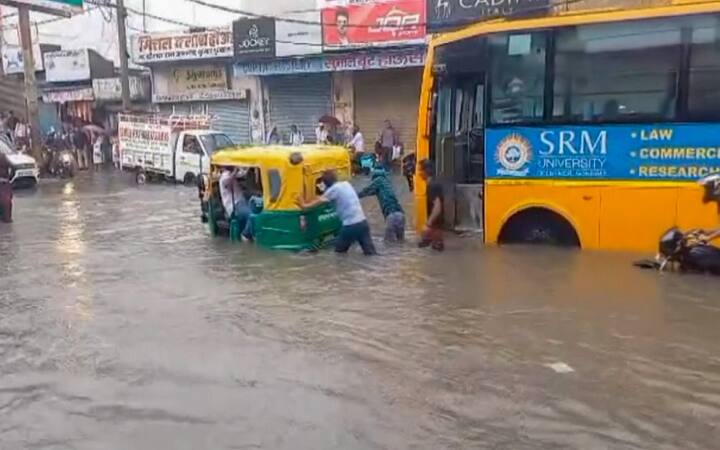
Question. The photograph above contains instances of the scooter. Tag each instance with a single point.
(684, 252)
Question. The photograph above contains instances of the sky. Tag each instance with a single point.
(97, 29)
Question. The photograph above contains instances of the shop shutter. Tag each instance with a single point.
(300, 100)
(233, 119)
(388, 94)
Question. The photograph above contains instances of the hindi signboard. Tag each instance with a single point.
(163, 47)
(67, 65)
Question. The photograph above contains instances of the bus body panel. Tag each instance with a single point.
(610, 214)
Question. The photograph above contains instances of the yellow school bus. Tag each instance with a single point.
(588, 129)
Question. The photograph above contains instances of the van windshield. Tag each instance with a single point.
(215, 142)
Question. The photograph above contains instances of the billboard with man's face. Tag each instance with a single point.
(374, 24)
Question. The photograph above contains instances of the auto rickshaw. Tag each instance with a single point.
(278, 175)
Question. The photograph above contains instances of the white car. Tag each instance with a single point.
(25, 167)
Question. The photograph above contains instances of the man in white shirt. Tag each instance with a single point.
(296, 136)
(234, 201)
(355, 227)
(357, 143)
(321, 134)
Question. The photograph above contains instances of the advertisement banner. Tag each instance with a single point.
(67, 65)
(301, 36)
(111, 89)
(335, 63)
(71, 95)
(445, 14)
(657, 152)
(374, 24)
(254, 38)
(12, 59)
(162, 47)
(143, 137)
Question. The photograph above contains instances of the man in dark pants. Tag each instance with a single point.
(6, 194)
(355, 226)
(432, 235)
(382, 188)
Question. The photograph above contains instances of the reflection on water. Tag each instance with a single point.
(123, 325)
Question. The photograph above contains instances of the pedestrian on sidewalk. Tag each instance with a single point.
(382, 188)
(432, 235)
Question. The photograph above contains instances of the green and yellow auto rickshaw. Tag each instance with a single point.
(277, 176)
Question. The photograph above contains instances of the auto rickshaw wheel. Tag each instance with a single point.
(141, 177)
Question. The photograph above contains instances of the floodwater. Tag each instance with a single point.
(123, 325)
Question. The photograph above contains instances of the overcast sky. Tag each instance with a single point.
(97, 30)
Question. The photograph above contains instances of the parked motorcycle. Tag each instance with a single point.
(685, 252)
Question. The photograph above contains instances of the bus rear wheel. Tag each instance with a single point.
(539, 226)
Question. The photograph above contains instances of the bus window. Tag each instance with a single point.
(704, 92)
(617, 71)
(517, 80)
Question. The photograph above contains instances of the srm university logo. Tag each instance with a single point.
(514, 153)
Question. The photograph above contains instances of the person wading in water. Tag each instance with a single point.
(6, 194)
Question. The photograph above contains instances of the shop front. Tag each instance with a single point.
(203, 89)
(363, 88)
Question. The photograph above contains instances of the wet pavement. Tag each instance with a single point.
(123, 325)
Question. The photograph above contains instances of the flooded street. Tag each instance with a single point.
(123, 325)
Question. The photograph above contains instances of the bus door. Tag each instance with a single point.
(460, 136)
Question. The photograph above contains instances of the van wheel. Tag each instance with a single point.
(539, 226)
(141, 178)
(189, 180)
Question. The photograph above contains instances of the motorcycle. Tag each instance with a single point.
(64, 166)
(685, 252)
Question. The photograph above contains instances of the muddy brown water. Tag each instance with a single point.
(123, 325)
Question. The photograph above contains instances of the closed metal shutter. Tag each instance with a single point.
(388, 94)
(230, 117)
(299, 100)
(233, 119)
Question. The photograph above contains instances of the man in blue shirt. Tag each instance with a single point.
(355, 227)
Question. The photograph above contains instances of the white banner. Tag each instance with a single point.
(111, 88)
(67, 65)
(216, 43)
(202, 96)
(74, 95)
(12, 59)
(295, 39)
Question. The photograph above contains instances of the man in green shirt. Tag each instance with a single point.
(382, 188)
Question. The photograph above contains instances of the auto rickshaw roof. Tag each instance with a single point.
(280, 155)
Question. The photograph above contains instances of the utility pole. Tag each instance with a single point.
(31, 93)
(122, 44)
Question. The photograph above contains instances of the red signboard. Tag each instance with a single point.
(374, 24)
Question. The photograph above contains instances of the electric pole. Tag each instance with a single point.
(31, 93)
(122, 45)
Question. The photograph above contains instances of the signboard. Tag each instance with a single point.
(162, 47)
(373, 24)
(196, 83)
(67, 65)
(70, 95)
(302, 35)
(254, 38)
(444, 14)
(658, 152)
(143, 136)
(334, 63)
(12, 58)
(56, 7)
(110, 89)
